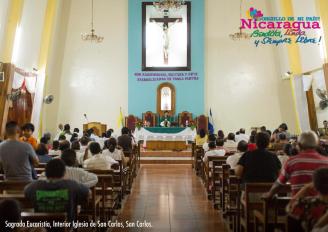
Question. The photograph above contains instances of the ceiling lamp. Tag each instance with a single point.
(162, 5)
(92, 36)
(240, 35)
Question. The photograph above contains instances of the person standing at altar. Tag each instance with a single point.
(166, 120)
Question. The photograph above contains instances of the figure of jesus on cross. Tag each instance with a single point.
(166, 23)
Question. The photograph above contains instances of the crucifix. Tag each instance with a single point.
(165, 26)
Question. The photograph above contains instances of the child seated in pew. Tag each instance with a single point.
(213, 152)
(110, 149)
(42, 153)
(234, 159)
(75, 173)
(56, 194)
(308, 210)
(98, 161)
(27, 130)
(55, 149)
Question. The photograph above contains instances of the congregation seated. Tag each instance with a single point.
(288, 151)
(213, 151)
(42, 153)
(75, 173)
(98, 161)
(280, 143)
(201, 137)
(79, 154)
(234, 159)
(230, 145)
(56, 194)
(27, 131)
(54, 151)
(84, 143)
(308, 210)
(111, 150)
(125, 140)
(221, 134)
(241, 136)
(210, 138)
(251, 142)
(17, 158)
(259, 165)
(298, 170)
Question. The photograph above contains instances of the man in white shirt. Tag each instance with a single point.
(242, 136)
(233, 159)
(98, 161)
(75, 173)
(230, 145)
(213, 152)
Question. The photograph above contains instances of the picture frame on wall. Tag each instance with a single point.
(166, 38)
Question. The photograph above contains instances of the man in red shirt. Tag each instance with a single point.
(299, 169)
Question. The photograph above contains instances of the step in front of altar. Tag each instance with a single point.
(166, 157)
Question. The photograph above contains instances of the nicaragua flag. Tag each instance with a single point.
(210, 123)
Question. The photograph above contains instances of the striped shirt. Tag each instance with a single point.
(299, 169)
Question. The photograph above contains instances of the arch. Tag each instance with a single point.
(168, 90)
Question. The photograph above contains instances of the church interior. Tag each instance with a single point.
(164, 115)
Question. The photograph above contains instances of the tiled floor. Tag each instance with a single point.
(171, 198)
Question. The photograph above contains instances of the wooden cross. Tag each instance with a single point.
(165, 20)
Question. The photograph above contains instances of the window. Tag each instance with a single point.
(166, 99)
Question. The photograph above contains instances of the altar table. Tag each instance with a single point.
(165, 138)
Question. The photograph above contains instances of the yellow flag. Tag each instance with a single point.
(120, 121)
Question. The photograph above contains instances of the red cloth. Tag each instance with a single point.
(251, 146)
(299, 169)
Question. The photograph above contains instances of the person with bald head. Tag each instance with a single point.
(298, 170)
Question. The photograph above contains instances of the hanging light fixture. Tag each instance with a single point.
(92, 36)
(163, 5)
(240, 35)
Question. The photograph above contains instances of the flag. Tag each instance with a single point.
(120, 121)
(210, 123)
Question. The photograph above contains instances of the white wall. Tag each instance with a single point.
(28, 35)
(241, 80)
(4, 7)
(93, 78)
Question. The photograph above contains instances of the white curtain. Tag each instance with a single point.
(24, 79)
(37, 104)
(301, 102)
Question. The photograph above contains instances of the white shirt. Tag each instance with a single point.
(99, 162)
(81, 176)
(283, 159)
(230, 146)
(234, 159)
(55, 152)
(241, 137)
(205, 147)
(80, 155)
(116, 154)
(216, 152)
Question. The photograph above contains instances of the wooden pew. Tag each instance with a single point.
(232, 207)
(248, 204)
(216, 161)
(105, 189)
(198, 160)
(277, 205)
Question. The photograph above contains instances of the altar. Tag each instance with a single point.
(165, 138)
